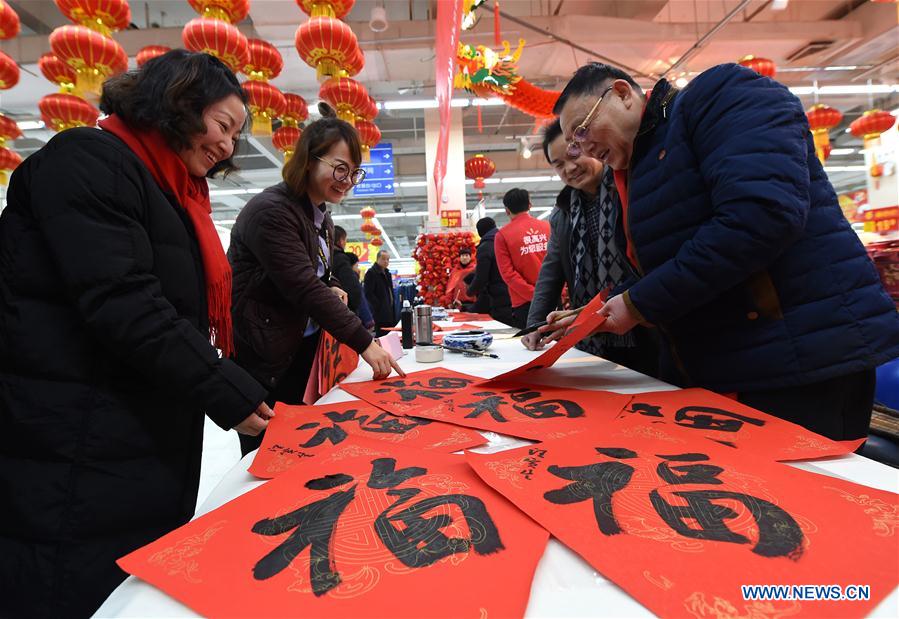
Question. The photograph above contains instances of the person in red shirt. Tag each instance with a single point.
(520, 247)
(456, 289)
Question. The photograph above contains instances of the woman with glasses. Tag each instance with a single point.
(284, 293)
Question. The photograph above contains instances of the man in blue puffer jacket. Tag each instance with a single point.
(746, 262)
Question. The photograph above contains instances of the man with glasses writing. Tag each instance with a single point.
(745, 262)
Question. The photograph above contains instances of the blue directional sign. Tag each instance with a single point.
(379, 173)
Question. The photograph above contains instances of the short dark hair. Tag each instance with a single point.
(169, 94)
(485, 225)
(591, 78)
(550, 133)
(339, 234)
(381, 251)
(465, 250)
(517, 200)
(315, 141)
(353, 258)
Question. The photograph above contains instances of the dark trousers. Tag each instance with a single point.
(643, 357)
(290, 389)
(839, 408)
(520, 315)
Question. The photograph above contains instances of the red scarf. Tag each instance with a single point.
(192, 194)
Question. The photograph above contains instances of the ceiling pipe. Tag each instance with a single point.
(700, 43)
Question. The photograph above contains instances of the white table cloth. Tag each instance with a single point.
(564, 584)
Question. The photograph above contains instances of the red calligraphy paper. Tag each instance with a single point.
(301, 434)
(418, 390)
(538, 412)
(586, 323)
(686, 413)
(682, 528)
(463, 316)
(365, 533)
(337, 362)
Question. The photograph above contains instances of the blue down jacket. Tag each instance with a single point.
(748, 265)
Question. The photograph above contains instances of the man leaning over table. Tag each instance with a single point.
(746, 263)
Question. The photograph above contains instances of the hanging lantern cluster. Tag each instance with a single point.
(9, 28)
(148, 53)
(295, 112)
(821, 119)
(869, 127)
(368, 226)
(266, 102)
(762, 66)
(325, 42)
(479, 168)
(214, 32)
(9, 159)
(88, 47)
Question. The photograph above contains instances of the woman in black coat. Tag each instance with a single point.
(281, 251)
(112, 281)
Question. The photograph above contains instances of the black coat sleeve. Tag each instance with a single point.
(481, 271)
(90, 206)
(348, 279)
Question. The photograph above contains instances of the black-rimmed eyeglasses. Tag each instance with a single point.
(342, 172)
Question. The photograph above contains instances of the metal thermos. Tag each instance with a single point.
(406, 322)
(424, 325)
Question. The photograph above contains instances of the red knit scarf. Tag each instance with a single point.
(192, 194)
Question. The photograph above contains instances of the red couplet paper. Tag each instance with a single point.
(418, 390)
(538, 412)
(463, 316)
(332, 363)
(586, 323)
(683, 528)
(302, 434)
(376, 533)
(685, 414)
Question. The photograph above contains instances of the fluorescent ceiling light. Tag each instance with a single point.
(487, 102)
(526, 179)
(845, 168)
(413, 184)
(26, 125)
(842, 151)
(850, 67)
(779, 5)
(411, 104)
(847, 89)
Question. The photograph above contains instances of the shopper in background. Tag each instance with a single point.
(586, 252)
(456, 295)
(487, 281)
(520, 247)
(747, 264)
(112, 281)
(284, 290)
(364, 311)
(378, 288)
(343, 271)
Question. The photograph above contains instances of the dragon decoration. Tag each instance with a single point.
(487, 73)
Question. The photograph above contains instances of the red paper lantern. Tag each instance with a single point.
(93, 56)
(57, 72)
(150, 52)
(61, 111)
(478, 168)
(295, 110)
(871, 124)
(762, 66)
(369, 137)
(231, 11)
(821, 119)
(355, 65)
(369, 110)
(103, 16)
(9, 21)
(326, 8)
(285, 139)
(264, 62)
(217, 38)
(266, 104)
(367, 213)
(9, 130)
(377, 241)
(327, 44)
(347, 96)
(9, 72)
(9, 161)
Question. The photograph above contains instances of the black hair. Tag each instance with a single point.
(339, 234)
(485, 225)
(465, 250)
(169, 93)
(550, 133)
(381, 251)
(353, 258)
(517, 200)
(591, 78)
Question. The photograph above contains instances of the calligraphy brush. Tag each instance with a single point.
(475, 353)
